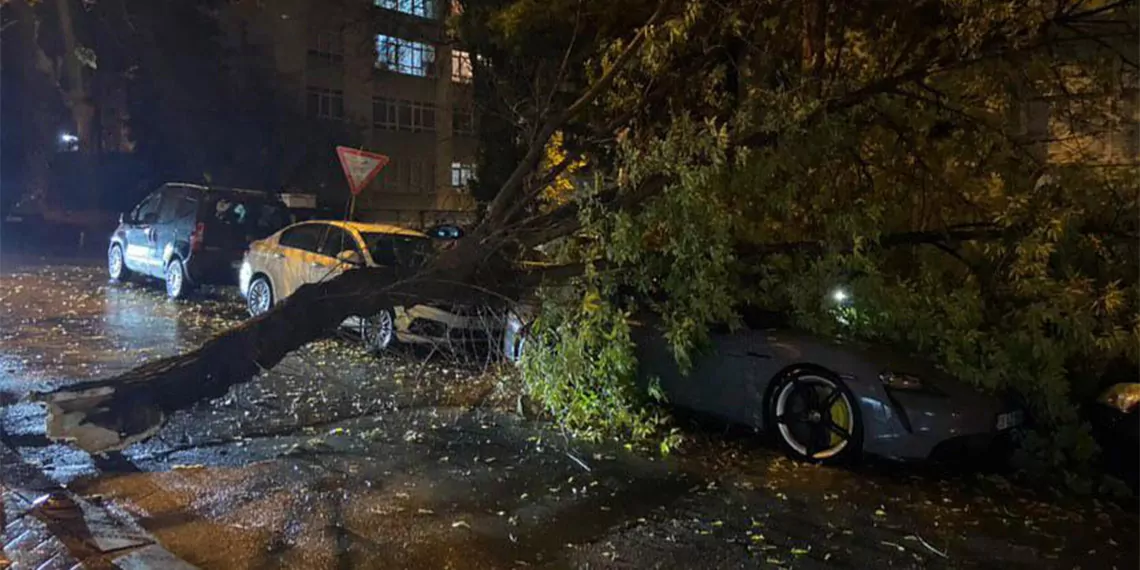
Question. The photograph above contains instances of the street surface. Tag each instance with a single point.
(336, 459)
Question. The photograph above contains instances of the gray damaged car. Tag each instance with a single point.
(824, 400)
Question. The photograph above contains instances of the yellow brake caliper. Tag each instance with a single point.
(840, 416)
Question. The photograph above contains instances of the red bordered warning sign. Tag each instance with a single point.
(360, 167)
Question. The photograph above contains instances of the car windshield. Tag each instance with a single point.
(397, 250)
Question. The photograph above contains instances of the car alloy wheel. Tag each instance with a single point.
(116, 266)
(175, 280)
(816, 419)
(259, 298)
(378, 331)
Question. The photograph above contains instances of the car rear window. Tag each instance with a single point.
(250, 216)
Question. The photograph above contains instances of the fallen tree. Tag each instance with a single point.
(762, 152)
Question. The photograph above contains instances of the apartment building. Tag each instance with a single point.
(389, 71)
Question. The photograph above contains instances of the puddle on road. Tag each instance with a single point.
(70, 323)
(287, 514)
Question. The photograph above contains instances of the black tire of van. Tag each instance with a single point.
(117, 264)
(177, 286)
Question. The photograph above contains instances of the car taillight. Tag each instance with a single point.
(196, 237)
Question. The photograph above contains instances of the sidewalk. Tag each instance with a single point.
(45, 526)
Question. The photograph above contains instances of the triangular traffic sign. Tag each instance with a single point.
(360, 167)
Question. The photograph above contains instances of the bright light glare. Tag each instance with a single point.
(839, 295)
(68, 138)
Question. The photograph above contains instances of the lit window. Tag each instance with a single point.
(405, 56)
(463, 122)
(460, 66)
(461, 174)
(421, 8)
(325, 103)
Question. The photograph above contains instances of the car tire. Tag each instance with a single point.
(815, 417)
(174, 277)
(379, 331)
(259, 296)
(117, 264)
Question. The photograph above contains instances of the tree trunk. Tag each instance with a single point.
(78, 84)
(40, 86)
(111, 414)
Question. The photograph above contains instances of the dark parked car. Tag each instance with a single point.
(825, 400)
(187, 235)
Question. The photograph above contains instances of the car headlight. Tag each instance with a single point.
(907, 382)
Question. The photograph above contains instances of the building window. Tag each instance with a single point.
(463, 122)
(421, 8)
(402, 176)
(460, 66)
(405, 56)
(384, 113)
(328, 46)
(325, 103)
(461, 174)
(421, 177)
(402, 115)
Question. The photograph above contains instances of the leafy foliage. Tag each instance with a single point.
(944, 161)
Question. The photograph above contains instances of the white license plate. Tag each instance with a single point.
(1010, 420)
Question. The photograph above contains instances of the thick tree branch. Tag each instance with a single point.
(511, 188)
(950, 235)
(110, 414)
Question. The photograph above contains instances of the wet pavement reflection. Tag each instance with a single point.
(336, 459)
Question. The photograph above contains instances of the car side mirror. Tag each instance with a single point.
(350, 257)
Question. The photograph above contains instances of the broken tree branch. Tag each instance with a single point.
(509, 192)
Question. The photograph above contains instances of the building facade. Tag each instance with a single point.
(389, 70)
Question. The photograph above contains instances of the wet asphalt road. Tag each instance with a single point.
(340, 460)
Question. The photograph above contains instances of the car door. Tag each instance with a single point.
(325, 265)
(175, 223)
(297, 249)
(141, 254)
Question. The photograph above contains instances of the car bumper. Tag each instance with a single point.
(213, 268)
(913, 426)
(422, 324)
(990, 448)
(462, 332)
